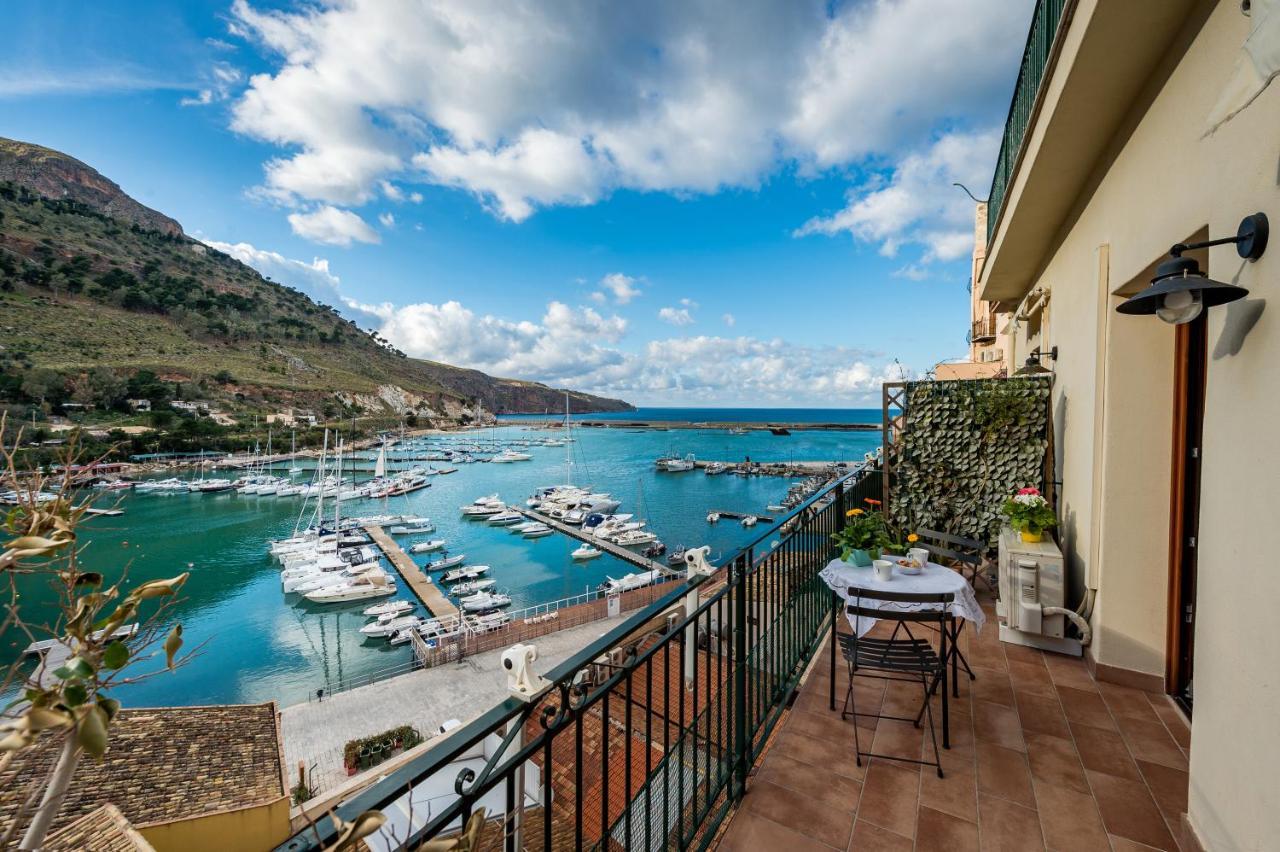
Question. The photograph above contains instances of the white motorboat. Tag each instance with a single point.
(427, 546)
(679, 465)
(629, 582)
(508, 456)
(448, 562)
(302, 585)
(527, 525)
(750, 521)
(715, 468)
(631, 538)
(489, 622)
(504, 518)
(713, 517)
(413, 526)
(391, 625)
(472, 586)
(359, 588)
(468, 573)
(540, 531)
(477, 510)
(482, 601)
(586, 552)
(389, 608)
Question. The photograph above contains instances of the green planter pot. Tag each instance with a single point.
(861, 558)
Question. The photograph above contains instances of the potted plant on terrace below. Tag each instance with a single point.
(1029, 513)
(862, 538)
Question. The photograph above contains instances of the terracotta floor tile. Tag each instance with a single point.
(800, 813)
(889, 798)
(1124, 844)
(1128, 810)
(1168, 786)
(995, 723)
(955, 794)
(1174, 721)
(1007, 827)
(1152, 741)
(748, 832)
(1042, 715)
(1031, 677)
(1086, 707)
(1055, 761)
(1124, 701)
(1069, 819)
(898, 739)
(835, 757)
(940, 832)
(1069, 671)
(817, 783)
(1104, 751)
(868, 837)
(1023, 654)
(825, 725)
(1003, 772)
(994, 687)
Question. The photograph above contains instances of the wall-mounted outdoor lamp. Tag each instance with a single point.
(1180, 291)
(1033, 367)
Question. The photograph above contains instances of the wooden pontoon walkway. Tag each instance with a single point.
(641, 562)
(428, 592)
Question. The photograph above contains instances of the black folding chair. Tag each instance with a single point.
(966, 553)
(893, 659)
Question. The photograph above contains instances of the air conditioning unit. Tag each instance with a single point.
(1031, 579)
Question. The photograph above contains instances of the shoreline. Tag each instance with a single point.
(665, 425)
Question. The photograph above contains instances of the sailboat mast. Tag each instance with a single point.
(324, 449)
(568, 445)
(337, 499)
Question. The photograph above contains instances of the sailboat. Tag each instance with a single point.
(293, 453)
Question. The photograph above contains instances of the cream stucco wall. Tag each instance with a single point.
(1163, 182)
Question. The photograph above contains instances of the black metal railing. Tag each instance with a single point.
(643, 740)
(1035, 58)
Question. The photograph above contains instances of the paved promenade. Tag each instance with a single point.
(315, 732)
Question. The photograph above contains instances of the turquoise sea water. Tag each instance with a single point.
(259, 644)
(728, 415)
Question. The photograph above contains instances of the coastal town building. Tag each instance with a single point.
(185, 779)
(986, 354)
(1137, 126)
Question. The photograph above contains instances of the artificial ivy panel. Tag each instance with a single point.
(963, 446)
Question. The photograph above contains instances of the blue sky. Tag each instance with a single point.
(687, 203)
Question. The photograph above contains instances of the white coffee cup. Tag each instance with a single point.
(884, 569)
(918, 555)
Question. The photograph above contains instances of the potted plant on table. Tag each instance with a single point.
(1029, 513)
(863, 537)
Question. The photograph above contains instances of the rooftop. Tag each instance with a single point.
(169, 763)
(102, 830)
(1042, 757)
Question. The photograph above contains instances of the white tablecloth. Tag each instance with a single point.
(933, 579)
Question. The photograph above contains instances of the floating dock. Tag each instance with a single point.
(608, 547)
(738, 516)
(427, 592)
(54, 652)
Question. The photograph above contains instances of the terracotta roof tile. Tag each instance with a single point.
(101, 830)
(169, 763)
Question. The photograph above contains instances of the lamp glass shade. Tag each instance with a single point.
(1180, 290)
(1180, 306)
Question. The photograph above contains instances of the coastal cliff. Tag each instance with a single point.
(97, 287)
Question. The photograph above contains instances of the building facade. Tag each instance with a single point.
(1139, 124)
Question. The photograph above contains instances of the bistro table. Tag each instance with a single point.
(932, 579)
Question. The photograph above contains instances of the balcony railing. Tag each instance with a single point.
(983, 330)
(645, 738)
(1045, 24)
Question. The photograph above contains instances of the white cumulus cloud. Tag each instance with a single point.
(676, 316)
(622, 288)
(332, 226)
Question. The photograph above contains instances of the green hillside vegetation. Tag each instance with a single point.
(87, 301)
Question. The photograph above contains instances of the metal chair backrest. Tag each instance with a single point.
(966, 550)
(935, 608)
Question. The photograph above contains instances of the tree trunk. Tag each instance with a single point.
(51, 803)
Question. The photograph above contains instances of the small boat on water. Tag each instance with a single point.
(489, 622)
(389, 608)
(414, 526)
(504, 518)
(654, 550)
(470, 587)
(632, 538)
(484, 601)
(360, 588)
(750, 521)
(586, 552)
(538, 531)
(448, 562)
(391, 625)
(527, 525)
(469, 573)
(676, 557)
(673, 465)
(713, 517)
(628, 582)
(715, 468)
(427, 546)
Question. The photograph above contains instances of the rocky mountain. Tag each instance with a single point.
(94, 283)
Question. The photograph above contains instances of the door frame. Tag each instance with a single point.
(1189, 386)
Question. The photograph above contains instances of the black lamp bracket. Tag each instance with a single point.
(1250, 239)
